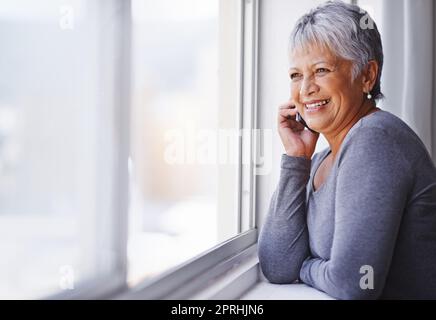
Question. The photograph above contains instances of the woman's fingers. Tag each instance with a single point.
(287, 104)
(287, 118)
(286, 112)
(296, 140)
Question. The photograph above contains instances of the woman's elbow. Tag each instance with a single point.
(278, 274)
(279, 266)
(276, 269)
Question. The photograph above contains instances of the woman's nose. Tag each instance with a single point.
(308, 87)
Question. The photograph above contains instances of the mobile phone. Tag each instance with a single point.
(300, 119)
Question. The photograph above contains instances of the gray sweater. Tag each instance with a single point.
(369, 231)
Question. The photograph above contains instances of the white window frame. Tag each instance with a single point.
(198, 277)
(229, 269)
(248, 115)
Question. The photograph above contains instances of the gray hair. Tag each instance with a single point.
(341, 28)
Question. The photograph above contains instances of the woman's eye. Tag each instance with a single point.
(294, 75)
(322, 70)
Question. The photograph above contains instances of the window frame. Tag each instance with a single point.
(236, 258)
(248, 115)
(225, 271)
(196, 275)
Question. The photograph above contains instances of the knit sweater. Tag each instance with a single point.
(369, 231)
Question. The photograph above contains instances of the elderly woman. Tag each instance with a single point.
(358, 219)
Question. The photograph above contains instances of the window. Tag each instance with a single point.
(186, 146)
(57, 148)
(126, 147)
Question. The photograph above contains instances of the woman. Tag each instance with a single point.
(358, 220)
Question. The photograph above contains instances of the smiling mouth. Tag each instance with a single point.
(316, 105)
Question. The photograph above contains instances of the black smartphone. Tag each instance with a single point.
(300, 119)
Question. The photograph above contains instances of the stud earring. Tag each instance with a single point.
(369, 96)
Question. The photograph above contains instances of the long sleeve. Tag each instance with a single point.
(372, 187)
(283, 241)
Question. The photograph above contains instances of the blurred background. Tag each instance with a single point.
(58, 127)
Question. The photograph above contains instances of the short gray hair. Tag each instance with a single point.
(338, 26)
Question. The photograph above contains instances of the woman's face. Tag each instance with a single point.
(323, 90)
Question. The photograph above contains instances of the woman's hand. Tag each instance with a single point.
(297, 141)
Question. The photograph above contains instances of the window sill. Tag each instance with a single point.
(225, 272)
(230, 271)
(268, 291)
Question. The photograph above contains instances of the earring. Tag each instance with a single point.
(369, 96)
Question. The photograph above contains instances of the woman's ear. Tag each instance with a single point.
(370, 75)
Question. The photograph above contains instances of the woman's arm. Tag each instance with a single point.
(283, 240)
(371, 193)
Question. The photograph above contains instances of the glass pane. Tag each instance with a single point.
(54, 151)
(184, 149)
